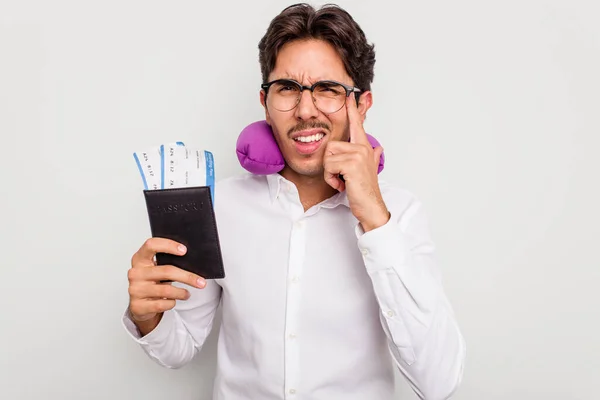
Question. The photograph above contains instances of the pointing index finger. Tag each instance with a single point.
(357, 132)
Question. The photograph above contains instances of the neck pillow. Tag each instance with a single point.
(258, 153)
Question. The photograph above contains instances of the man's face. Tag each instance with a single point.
(309, 61)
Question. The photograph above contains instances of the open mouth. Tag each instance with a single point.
(310, 139)
(308, 143)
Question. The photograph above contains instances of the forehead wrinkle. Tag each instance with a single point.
(302, 78)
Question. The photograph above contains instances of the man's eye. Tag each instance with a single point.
(330, 89)
(289, 89)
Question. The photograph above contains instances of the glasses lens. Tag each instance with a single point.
(329, 97)
(284, 95)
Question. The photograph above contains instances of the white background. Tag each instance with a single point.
(488, 111)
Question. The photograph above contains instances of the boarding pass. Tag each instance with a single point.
(174, 165)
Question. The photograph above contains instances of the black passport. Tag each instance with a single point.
(187, 216)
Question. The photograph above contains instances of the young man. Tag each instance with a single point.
(330, 281)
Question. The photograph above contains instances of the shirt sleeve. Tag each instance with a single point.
(423, 335)
(182, 331)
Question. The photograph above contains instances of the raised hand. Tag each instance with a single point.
(357, 162)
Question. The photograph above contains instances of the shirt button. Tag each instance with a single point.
(365, 252)
(390, 313)
(292, 336)
(295, 278)
(292, 391)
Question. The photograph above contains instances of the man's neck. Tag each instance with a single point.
(311, 189)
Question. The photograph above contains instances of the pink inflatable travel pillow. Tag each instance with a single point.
(257, 150)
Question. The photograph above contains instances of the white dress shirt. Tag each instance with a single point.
(314, 308)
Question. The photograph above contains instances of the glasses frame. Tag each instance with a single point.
(349, 90)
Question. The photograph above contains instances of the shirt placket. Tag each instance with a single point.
(294, 282)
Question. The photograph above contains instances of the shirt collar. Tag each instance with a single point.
(275, 182)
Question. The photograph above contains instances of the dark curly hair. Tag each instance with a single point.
(331, 24)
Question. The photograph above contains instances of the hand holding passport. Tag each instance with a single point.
(149, 295)
(178, 188)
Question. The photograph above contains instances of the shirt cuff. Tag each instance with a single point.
(383, 247)
(157, 336)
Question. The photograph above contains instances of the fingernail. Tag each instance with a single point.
(181, 248)
(201, 282)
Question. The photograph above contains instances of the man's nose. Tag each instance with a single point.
(306, 109)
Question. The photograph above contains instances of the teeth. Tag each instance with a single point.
(309, 139)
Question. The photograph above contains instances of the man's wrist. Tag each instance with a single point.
(376, 220)
(146, 326)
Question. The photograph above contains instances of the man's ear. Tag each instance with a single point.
(263, 101)
(365, 101)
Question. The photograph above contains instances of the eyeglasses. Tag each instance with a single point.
(328, 96)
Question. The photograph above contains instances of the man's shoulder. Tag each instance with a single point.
(396, 193)
(400, 200)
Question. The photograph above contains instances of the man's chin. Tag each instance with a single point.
(308, 171)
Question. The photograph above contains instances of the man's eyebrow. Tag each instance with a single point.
(287, 75)
(318, 79)
(296, 78)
